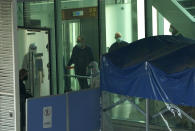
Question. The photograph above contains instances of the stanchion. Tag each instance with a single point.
(147, 115)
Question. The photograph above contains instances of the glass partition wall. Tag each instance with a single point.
(79, 19)
(37, 27)
(66, 20)
(96, 22)
(34, 57)
(121, 17)
(128, 18)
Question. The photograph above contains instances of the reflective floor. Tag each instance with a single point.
(128, 111)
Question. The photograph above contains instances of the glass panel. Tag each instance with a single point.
(81, 44)
(123, 108)
(74, 32)
(116, 17)
(130, 109)
(120, 24)
(40, 14)
(34, 57)
(20, 14)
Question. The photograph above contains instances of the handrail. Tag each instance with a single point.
(78, 76)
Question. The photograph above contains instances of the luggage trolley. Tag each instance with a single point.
(90, 77)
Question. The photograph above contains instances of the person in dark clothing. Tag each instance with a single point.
(23, 75)
(81, 56)
(118, 44)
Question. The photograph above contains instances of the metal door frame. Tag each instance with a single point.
(49, 44)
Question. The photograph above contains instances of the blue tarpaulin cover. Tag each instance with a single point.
(159, 68)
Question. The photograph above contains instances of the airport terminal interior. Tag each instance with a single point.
(41, 46)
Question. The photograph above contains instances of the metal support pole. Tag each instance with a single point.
(147, 115)
(148, 33)
(148, 18)
(159, 113)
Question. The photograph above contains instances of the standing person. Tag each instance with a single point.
(118, 44)
(23, 76)
(94, 72)
(81, 56)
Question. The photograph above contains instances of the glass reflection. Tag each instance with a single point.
(80, 20)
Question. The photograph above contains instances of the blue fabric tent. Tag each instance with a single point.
(159, 68)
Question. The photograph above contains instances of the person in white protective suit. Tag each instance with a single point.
(34, 64)
(94, 72)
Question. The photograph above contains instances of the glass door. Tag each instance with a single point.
(70, 32)
(34, 57)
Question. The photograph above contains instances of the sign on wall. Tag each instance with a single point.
(47, 117)
(78, 13)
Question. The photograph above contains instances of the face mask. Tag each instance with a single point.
(118, 39)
